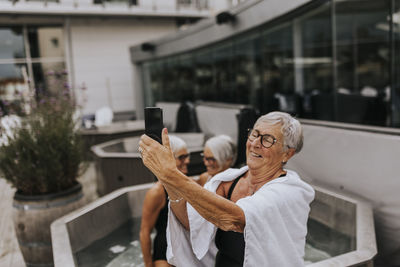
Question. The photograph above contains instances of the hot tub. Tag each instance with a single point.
(118, 162)
(105, 232)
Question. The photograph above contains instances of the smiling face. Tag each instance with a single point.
(182, 160)
(263, 159)
(210, 162)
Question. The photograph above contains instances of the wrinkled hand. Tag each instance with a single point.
(158, 158)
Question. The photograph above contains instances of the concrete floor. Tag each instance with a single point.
(10, 256)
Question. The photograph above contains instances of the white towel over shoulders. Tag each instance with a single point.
(276, 225)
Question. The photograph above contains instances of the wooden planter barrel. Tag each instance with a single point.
(32, 216)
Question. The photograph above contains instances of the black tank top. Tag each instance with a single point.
(230, 244)
(161, 223)
(160, 241)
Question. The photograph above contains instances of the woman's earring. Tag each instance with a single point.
(284, 162)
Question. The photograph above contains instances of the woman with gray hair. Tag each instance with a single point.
(218, 155)
(257, 214)
(155, 210)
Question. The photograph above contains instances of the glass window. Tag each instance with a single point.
(153, 82)
(224, 90)
(316, 50)
(313, 60)
(46, 60)
(11, 43)
(291, 66)
(170, 75)
(204, 78)
(247, 69)
(148, 94)
(393, 94)
(277, 72)
(362, 33)
(185, 78)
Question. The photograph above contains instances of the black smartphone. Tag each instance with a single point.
(153, 122)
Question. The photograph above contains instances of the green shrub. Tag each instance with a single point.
(45, 153)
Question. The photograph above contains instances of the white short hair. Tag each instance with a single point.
(290, 127)
(176, 143)
(223, 149)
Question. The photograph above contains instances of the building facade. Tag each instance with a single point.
(332, 60)
(85, 45)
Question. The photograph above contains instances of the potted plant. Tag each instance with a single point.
(42, 158)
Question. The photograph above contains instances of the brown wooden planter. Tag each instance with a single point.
(32, 216)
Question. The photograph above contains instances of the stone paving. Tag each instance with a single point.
(10, 256)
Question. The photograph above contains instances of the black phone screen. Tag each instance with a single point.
(153, 122)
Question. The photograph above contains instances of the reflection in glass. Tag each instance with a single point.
(363, 44)
(170, 76)
(362, 61)
(148, 93)
(316, 43)
(247, 65)
(204, 79)
(314, 64)
(277, 70)
(290, 66)
(153, 82)
(11, 43)
(395, 91)
(225, 88)
(184, 82)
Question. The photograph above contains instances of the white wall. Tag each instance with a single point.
(101, 59)
(363, 163)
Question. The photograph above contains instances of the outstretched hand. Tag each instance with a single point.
(158, 158)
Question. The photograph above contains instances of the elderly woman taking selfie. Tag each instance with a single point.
(254, 216)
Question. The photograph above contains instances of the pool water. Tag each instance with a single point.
(121, 248)
(108, 251)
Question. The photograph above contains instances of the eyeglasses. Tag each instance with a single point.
(183, 157)
(267, 140)
(212, 160)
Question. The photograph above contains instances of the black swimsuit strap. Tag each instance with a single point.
(237, 180)
(233, 186)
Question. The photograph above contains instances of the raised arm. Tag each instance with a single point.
(214, 208)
